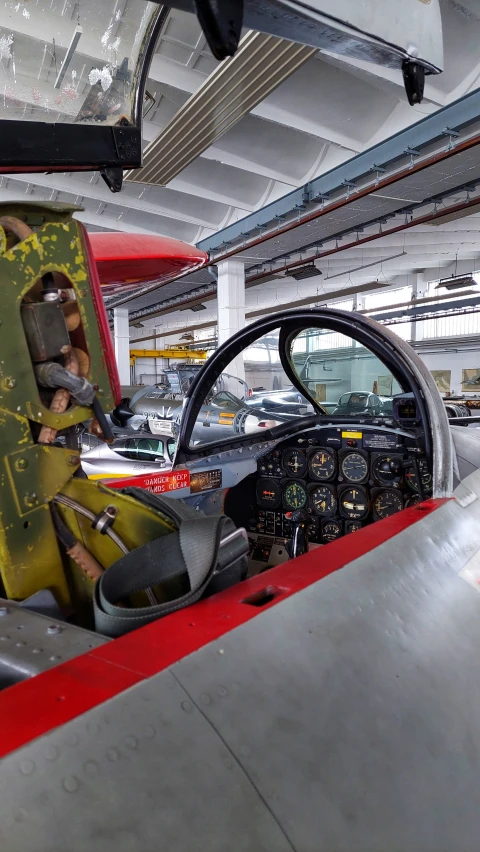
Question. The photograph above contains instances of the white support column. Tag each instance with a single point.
(121, 336)
(231, 307)
(419, 291)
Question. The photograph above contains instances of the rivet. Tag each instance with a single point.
(73, 460)
(112, 755)
(30, 499)
(37, 651)
(27, 767)
(53, 629)
(187, 707)
(10, 382)
(149, 731)
(21, 464)
(51, 752)
(70, 784)
(55, 657)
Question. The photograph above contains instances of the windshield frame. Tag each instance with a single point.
(289, 324)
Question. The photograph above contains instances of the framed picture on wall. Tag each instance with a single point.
(471, 379)
(384, 385)
(442, 379)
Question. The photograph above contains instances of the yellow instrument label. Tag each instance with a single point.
(352, 435)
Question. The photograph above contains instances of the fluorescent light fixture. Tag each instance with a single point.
(456, 282)
(68, 56)
(195, 308)
(307, 271)
(232, 90)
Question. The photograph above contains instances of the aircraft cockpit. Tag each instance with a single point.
(365, 450)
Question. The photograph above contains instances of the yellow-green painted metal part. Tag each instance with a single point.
(31, 474)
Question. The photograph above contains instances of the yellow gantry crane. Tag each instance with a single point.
(177, 353)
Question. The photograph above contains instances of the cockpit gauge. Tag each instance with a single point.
(323, 500)
(294, 496)
(352, 526)
(419, 474)
(353, 503)
(322, 465)
(354, 467)
(269, 495)
(387, 469)
(386, 503)
(414, 500)
(294, 462)
(331, 530)
(270, 465)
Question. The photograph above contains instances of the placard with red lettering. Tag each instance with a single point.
(157, 483)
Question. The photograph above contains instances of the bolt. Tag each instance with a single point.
(73, 460)
(10, 382)
(37, 651)
(3, 611)
(21, 464)
(30, 499)
(53, 629)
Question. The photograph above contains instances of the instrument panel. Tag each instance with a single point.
(344, 480)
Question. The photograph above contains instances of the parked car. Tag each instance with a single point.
(362, 403)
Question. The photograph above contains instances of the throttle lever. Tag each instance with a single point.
(298, 545)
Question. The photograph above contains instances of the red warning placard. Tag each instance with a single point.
(157, 483)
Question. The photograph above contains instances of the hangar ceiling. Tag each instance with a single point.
(326, 112)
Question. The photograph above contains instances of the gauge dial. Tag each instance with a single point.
(420, 470)
(322, 465)
(294, 462)
(414, 500)
(354, 467)
(331, 530)
(387, 469)
(354, 503)
(269, 494)
(352, 526)
(294, 496)
(323, 500)
(386, 503)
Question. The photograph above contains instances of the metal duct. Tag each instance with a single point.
(230, 92)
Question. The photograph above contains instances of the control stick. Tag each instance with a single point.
(300, 521)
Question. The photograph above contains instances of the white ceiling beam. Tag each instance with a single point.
(188, 80)
(109, 224)
(99, 192)
(86, 217)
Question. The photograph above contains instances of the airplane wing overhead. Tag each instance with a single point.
(124, 260)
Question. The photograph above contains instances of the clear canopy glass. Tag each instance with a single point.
(72, 61)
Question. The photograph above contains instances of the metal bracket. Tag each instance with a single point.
(105, 520)
(452, 134)
(412, 153)
(37, 473)
(221, 22)
(113, 177)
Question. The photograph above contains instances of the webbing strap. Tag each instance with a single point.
(193, 550)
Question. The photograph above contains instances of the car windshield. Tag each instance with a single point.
(73, 63)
